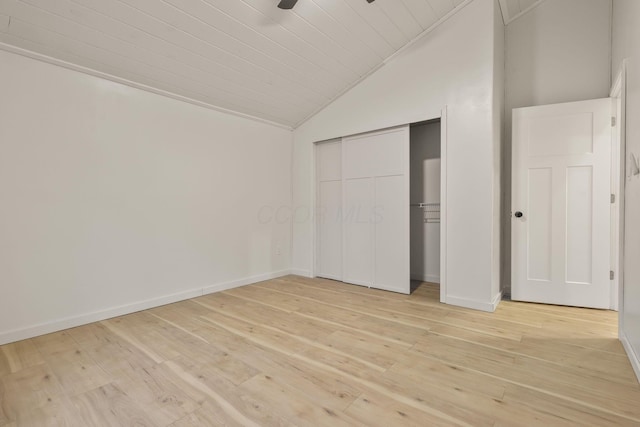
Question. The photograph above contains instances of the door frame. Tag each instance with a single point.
(618, 94)
(443, 204)
(443, 196)
(618, 188)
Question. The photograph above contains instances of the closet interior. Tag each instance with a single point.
(425, 167)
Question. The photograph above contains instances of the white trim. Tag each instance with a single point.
(243, 282)
(496, 301)
(291, 200)
(616, 88)
(110, 77)
(443, 204)
(633, 357)
(619, 90)
(475, 304)
(301, 272)
(388, 59)
(315, 194)
(96, 316)
(381, 131)
(315, 232)
(618, 168)
(343, 203)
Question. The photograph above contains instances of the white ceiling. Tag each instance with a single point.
(513, 9)
(242, 55)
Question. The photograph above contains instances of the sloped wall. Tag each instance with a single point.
(450, 67)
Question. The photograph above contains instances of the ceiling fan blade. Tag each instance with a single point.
(287, 4)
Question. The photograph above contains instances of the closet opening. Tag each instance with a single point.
(425, 199)
(379, 200)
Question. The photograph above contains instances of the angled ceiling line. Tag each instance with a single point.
(363, 41)
(252, 95)
(141, 86)
(387, 60)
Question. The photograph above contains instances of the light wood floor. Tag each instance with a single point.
(306, 352)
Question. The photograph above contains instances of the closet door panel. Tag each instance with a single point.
(391, 228)
(376, 201)
(358, 231)
(328, 209)
(330, 230)
(359, 158)
(378, 154)
(390, 153)
(329, 161)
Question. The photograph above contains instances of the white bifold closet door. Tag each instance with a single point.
(375, 180)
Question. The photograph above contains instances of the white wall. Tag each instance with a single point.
(115, 199)
(452, 66)
(626, 32)
(626, 44)
(425, 180)
(558, 52)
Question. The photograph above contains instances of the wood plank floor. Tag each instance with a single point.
(313, 352)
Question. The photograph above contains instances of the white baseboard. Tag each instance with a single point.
(633, 356)
(431, 278)
(243, 282)
(96, 316)
(496, 301)
(475, 304)
(300, 272)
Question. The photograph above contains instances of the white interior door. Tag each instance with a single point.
(329, 210)
(560, 204)
(376, 209)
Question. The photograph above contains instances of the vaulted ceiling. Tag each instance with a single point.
(248, 56)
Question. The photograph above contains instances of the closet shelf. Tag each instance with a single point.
(431, 211)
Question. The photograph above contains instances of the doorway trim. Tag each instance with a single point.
(617, 93)
(618, 189)
(443, 205)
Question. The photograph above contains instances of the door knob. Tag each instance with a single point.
(518, 214)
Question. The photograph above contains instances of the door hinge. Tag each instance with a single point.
(611, 275)
(613, 122)
(613, 198)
